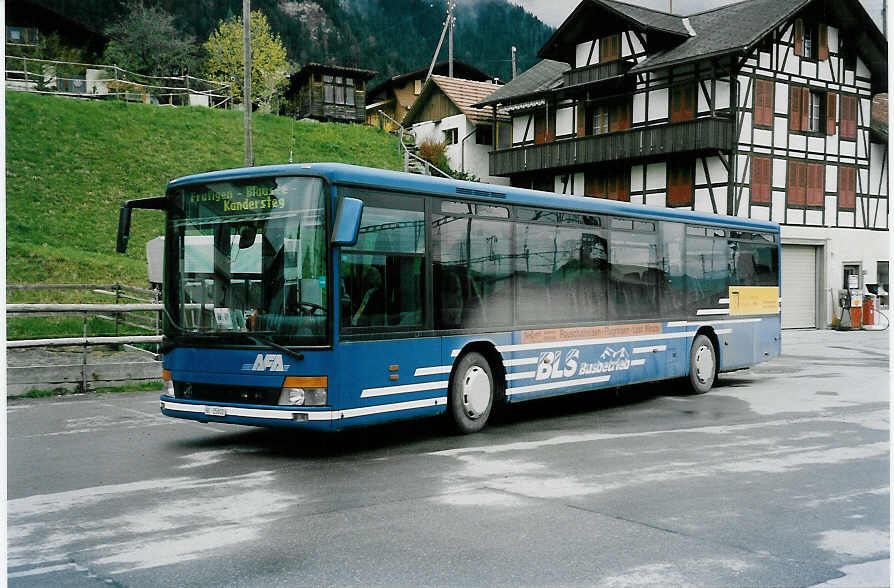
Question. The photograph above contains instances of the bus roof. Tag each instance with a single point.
(340, 173)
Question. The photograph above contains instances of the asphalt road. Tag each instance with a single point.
(778, 477)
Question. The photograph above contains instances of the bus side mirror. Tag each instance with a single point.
(347, 222)
(156, 203)
(123, 229)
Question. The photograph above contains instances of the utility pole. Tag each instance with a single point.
(246, 83)
(450, 22)
(514, 67)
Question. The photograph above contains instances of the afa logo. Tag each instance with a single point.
(267, 362)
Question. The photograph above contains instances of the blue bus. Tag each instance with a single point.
(327, 296)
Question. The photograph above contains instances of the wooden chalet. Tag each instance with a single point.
(328, 93)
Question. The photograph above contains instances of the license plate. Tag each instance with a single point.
(218, 411)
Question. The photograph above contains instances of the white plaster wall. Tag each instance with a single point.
(582, 52)
(636, 178)
(564, 121)
(639, 107)
(656, 176)
(658, 104)
(579, 183)
(862, 70)
(722, 91)
(878, 173)
(519, 124)
(841, 246)
(832, 38)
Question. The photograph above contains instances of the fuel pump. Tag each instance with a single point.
(850, 301)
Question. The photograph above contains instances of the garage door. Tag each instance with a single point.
(798, 286)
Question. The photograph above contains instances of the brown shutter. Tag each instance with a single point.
(594, 185)
(830, 113)
(823, 46)
(816, 178)
(624, 185)
(847, 187)
(805, 109)
(763, 103)
(760, 179)
(581, 120)
(799, 37)
(848, 117)
(622, 116)
(609, 48)
(540, 126)
(797, 183)
(679, 189)
(794, 108)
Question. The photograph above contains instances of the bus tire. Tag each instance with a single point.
(472, 393)
(702, 364)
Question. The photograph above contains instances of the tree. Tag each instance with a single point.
(146, 41)
(268, 58)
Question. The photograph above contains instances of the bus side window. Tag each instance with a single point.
(381, 276)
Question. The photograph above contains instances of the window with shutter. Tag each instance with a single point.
(805, 109)
(613, 184)
(822, 49)
(679, 182)
(763, 103)
(830, 113)
(796, 183)
(848, 127)
(816, 181)
(600, 120)
(609, 48)
(761, 170)
(799, 37)
(794, 108)
(621, 116)
(816, 102)
(847, 187)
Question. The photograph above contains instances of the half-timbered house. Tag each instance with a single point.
(759, 109)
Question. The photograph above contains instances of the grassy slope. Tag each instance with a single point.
(71, 163)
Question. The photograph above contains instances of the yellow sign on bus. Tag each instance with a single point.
(753, 300)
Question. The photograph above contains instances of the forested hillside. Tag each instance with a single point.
(389, 36)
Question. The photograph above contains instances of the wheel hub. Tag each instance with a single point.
(476, 392)
(704, 364)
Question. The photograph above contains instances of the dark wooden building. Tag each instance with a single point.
(328, 93)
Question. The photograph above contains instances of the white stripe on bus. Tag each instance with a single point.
(554, 385)
(431, 371)
(585, 342)
(387, 390)
(711, 322)
(637, 361)
(704, 311)
(318, 415)
(520, 376)
(723, 301)
(520, 361)
(650, 349)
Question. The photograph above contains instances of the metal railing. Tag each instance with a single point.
(409, 157)
(85, 80)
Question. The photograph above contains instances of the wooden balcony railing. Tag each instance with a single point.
(704, 134)
(595, 73)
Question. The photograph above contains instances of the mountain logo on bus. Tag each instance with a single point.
(611, 360)
(267, 362)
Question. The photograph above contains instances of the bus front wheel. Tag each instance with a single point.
(471, 397)
(702, 365)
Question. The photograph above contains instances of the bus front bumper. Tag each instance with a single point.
(259, 416)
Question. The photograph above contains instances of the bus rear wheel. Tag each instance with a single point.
(702, 364)
(472, 393)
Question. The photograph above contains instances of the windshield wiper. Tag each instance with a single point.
(261, 340)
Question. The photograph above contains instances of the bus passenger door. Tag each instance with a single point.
(672, 299)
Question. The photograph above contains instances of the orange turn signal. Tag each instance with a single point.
(306, 382)
(166, 375)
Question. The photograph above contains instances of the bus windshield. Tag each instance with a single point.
(249, 256)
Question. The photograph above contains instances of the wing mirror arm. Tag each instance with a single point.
(156, 203)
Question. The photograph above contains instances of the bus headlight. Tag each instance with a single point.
(167, 387)
(304, 391)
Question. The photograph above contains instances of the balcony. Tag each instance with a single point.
(704, 134)
(595, 73)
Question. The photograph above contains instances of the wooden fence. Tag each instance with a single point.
(143, 315)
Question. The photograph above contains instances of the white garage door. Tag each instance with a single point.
(798, 286)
